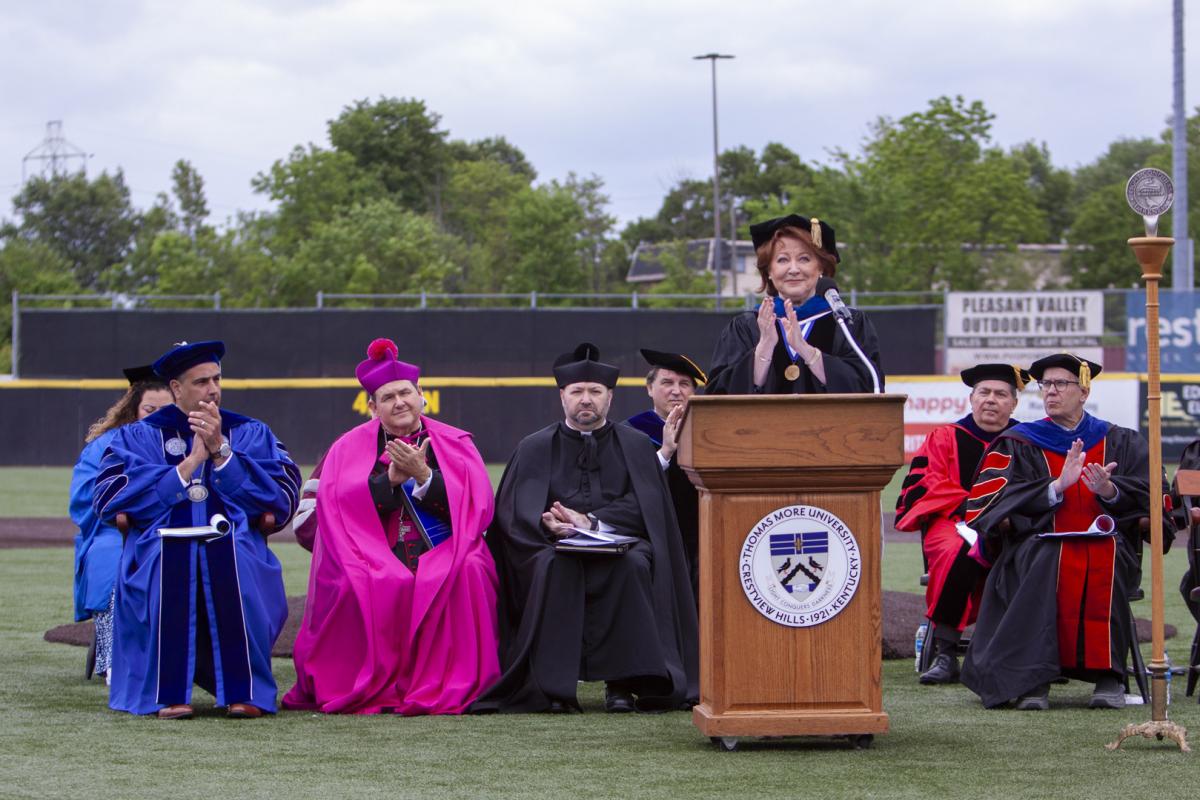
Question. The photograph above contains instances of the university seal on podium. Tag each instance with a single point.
(799, 566)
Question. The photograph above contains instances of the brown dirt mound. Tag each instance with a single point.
(902, 613)
(60, 532)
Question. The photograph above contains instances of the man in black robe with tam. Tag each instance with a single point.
(673, 378)
(627, 619)
(932, 501)
(1058, 505)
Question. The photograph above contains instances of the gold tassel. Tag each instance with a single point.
(1020, 380)
(1085, 375)
(815, 229)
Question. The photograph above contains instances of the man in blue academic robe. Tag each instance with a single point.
(201, 606)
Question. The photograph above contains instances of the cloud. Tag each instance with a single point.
(606, 88)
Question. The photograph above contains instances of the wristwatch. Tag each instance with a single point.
(224, 451)
(595, 522)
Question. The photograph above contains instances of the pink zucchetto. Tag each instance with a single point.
(382, 366)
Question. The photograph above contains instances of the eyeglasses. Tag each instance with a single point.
(1059, 385)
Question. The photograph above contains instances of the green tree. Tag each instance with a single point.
(91, 224)
(1052, 187)
(377, 247)
(493, 148)
(542, 227)
(478, 201)
(931, 197)
(399, 142)
(594, 234)
(680, 279)
(312, 185)
(188, 187)
(29, 267)
(1100, 256)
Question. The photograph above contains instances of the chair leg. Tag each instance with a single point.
(89, 660)
(1194, 664)
(1139, 665)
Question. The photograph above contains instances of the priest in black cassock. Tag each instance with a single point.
(792, 344)
(672, 379)
(627, 619)
(1056, 600)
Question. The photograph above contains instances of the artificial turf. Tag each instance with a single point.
(57, 738)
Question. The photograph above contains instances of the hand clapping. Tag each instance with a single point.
(407, 462)
(1098, 479)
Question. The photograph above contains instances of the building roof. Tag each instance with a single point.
(646, 264)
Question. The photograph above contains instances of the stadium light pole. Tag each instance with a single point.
(713, 58)
(1183, 266)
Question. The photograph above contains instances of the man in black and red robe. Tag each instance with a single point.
(932, 500)
(1058, 504)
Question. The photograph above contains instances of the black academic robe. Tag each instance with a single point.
(733, 359)
(684, 496)
(1189, 460)
(566, 617)
(1016, 644)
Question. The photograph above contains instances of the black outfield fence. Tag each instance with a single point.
(312, 343)
(294, 369)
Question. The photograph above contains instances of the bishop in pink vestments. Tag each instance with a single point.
(401, 608)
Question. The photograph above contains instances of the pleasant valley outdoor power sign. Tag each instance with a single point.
(1020, 327)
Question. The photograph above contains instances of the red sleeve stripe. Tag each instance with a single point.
(987, 488)
(994, 460)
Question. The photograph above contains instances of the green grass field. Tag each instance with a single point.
(57, 738)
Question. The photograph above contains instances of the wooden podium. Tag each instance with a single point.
(756, 459)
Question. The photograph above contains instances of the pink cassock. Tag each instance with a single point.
(374, 635)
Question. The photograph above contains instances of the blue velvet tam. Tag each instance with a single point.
(183, 356)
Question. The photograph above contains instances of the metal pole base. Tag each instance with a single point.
(1162, 729)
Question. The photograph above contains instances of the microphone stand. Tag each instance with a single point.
(841, 313)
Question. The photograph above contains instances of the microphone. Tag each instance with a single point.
(836, 305)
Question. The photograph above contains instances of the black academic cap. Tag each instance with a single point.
(583, 365)
(1086, 370)
(822, 234)
(1009, 373)
(183, 356)
(140, 374)
(676, 363)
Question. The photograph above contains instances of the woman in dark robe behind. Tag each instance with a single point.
(792, 343)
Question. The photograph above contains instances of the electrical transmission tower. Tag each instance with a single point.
(54, 152)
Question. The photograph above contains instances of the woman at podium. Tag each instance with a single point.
(795, 342)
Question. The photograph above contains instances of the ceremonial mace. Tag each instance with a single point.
(1150, 193)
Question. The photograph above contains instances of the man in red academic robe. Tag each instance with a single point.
(1056, 599)
(932, 501)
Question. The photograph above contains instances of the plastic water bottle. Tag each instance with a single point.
(919, 644)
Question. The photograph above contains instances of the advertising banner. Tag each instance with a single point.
(1178, 331)
(1021, 327)
(934, 401)
(1180, 415)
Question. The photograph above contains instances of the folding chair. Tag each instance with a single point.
(1187, 485)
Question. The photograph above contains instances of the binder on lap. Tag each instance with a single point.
(585, 541)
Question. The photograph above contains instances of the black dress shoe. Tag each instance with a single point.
(559, 707)
(1036, 700)
(618, 701)
(943, 670)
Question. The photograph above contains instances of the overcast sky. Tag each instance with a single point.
(606, 87)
